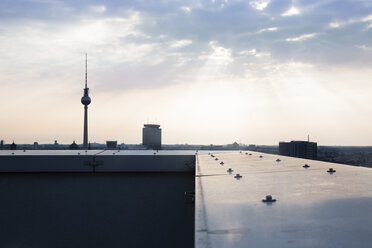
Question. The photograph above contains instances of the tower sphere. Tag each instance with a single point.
(85, 100)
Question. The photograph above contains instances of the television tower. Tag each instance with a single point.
(85, 100)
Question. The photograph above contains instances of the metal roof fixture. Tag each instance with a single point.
(24, 150)
(278, 160)
(212, 155)
(238, 176)
(306, 166)
(269, 198)
(154, 153)
(230, 170)
(250, 154)
(222, 163)
(216, 158)
(261, 156)
(240, 151)
(331, 170)
(246, 153)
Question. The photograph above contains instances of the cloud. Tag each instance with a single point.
(259, 4)
(339, 24)
(186, 9)
(292, 11)
(181, 43)
(365, 48)
(267, 30)
(301, 37)
(220, 54)
(253, 52)
(98, 8)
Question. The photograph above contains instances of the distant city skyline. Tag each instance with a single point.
(209, 72)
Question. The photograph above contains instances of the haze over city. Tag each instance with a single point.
(207, 71)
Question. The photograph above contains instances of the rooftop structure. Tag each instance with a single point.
(113, 198)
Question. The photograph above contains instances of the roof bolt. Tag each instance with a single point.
(269, 198)
(216, 159)
(78, 153)
(230, 170)
(250, 154)
(12, 153)
(246, 153)
(278, 160)
(306, 166)
(154, 153)
(331, 170)
(261, 156)
(238, 176)
(222, 163)
(24, 150)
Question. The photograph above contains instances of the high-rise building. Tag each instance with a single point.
(85, 100)
(299, 149)
(151, 136)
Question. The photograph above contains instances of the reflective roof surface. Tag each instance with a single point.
(313, 208)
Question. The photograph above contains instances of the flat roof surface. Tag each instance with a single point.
(313, 208)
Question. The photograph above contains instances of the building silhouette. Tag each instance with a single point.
(13, 146)
(111, 144)
(299, 149)
(74, 146)
(151, 136)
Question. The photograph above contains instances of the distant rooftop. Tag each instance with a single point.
(152, 125)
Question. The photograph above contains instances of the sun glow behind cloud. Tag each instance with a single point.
(207, 74)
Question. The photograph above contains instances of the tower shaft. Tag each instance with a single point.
(85, 142)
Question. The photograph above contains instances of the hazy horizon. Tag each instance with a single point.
(209, 72)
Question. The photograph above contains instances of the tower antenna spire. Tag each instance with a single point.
(86, 70)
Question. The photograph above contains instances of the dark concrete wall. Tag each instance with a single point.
(96, 210)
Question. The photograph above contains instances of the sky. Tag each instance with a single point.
(209, 72)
